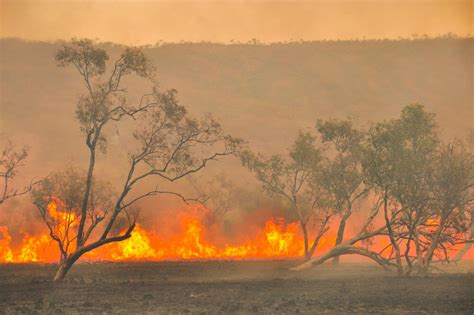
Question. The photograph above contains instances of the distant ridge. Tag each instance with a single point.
(263, 93)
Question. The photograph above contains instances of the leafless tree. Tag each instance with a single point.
(169, 145)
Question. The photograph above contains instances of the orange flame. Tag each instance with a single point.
(275, 240)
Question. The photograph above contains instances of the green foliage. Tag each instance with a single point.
(400, 155)
(340, 175)
(105, 100)
(84, 55)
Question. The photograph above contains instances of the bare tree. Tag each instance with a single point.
(12, 159)
(292, 179)
(170, 145)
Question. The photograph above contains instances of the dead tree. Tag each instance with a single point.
(170, 145)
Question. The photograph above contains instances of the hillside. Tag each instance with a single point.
(263, 93)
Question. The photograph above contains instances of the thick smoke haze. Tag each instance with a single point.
(147, 22)
(261, 93)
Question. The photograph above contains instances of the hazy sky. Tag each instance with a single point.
(147, 21)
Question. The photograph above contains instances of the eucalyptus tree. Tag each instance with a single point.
(381, 154)
(451, 206)
(167, 146)
(291, 178)
(340, 173)
(425, 186)
(469, 235)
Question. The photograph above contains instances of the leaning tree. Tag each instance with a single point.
(167, 146)
(425, 185)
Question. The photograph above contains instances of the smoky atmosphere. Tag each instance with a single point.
(236, 157)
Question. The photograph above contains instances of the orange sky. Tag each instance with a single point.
(147, 21)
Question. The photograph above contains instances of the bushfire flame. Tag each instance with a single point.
(276, 239)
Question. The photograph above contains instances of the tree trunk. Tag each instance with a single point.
(85, 200)
(307, 255)
(67, 263)
(463, 251)
(62, 271)
(468, 246)
(340, 235)
(393, 241)
(343, 249)
(434, 244)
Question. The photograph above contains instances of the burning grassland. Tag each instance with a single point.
(186, 236)
(191, 238)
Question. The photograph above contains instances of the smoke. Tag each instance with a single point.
(263, 94)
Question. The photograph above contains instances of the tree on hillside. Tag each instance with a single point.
(12, 159)
(168, 146)
(291, 178)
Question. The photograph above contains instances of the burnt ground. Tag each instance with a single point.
(231, 287)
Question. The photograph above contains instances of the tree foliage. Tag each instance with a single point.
(169, 145)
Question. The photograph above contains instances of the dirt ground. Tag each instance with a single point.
(231, 287)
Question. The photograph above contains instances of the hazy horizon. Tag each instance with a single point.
(228, 21)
